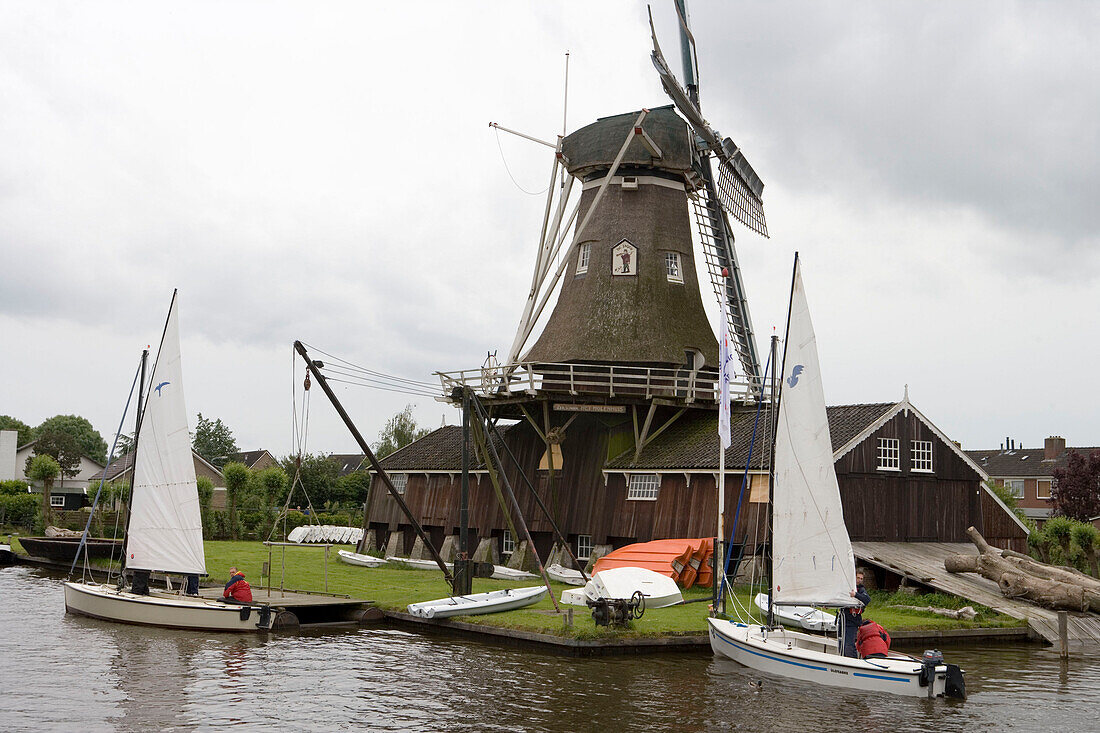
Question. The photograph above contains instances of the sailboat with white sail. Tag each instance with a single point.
(165, 529)
(812, 563)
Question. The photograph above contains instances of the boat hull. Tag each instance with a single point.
(63, 549)
(169, 611)
(364, 561)
(804, 617)
(479, 603)
(785, 653)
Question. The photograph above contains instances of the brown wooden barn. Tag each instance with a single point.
(900, 479)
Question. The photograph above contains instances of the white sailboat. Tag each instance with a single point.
(812, 559)
(165, 530)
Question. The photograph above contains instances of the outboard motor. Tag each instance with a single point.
(931, 659)
(954, 685)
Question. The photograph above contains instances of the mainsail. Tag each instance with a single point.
(165, 531)
(812, 553)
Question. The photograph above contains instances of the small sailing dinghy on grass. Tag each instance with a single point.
(478, 603)
(801, 617)
(365, 561)
(165, 529)
(812, 562)
(562, 574)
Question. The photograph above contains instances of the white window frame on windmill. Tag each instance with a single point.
(920, 456)
(507, 542)
(673, 271)
(889, 454)
(399, 481)
(584, 253)
(627, 267)
(643, 486)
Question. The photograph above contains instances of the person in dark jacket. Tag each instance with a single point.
(872, 641)
(852, 618)
(237, 589)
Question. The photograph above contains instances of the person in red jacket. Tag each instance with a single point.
(872, 641)
(237, 588)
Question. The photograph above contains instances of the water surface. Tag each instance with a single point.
(69, 673)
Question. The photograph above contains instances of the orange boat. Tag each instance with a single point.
(676, 559)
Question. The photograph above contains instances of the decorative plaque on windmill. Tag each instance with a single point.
(624, 259)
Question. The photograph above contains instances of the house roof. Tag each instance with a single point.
(692, 442)
(1022, 462)
(439, 450)
(124, 464)
(250, 457)
(350, 462)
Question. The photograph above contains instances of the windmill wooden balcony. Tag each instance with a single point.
(595, 384)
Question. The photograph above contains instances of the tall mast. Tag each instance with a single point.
(771, 463)
(133, 461)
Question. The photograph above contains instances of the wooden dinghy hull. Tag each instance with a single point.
(479, 603)
(164, 610)
(802, 617)
(813, 659)
(364, 561)
(63, 549)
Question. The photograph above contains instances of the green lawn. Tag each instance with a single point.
(392, 588)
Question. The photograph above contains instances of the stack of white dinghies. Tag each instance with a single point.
(659, 590)
(812, 562)
(364, 561)
(325, 533)
(802, 617)
(165, 529)
(479, 603)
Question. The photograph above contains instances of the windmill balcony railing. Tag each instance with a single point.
(595, 380)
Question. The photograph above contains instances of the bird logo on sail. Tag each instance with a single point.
(162, 384)
(793, 379)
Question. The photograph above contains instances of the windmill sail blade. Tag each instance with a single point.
(740, 190)
(718, 251)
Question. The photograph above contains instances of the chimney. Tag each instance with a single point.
(1008, 443)
(1053, 447)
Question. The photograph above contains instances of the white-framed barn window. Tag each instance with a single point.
(584, 546)
(643, 486)
(400, 481)
(889, 454)
(1042, 488)
(672, 267)
(57, 501)
(920, 452)
(507, 542)
(584, 252)
(1016, 486)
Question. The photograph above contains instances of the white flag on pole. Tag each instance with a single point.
(725, 368)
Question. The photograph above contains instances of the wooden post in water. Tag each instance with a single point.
(1063, 634)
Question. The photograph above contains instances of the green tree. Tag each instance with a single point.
(237, 477)
(317, 474)
(62, 447)
(26, 432)
(272, 483)
(45, 469)
(1087, 538)
(400, 430)
(88, 438)
(14, 487)
(352, 489)
(124, 445)
(214, 441)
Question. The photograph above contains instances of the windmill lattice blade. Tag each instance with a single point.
(718, 252)
(738, 199)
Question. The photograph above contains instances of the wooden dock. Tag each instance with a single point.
(923, 562)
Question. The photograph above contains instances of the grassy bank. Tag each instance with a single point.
(393, 588)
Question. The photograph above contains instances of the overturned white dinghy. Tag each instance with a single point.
(418, 564)
(365, 561)
(565, 575)
(502, 572)
(331, 533)
(478, 603)
(659, 590)
(802, 617)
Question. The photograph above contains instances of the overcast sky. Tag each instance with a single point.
(326, 172)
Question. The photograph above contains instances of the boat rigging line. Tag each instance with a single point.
(314, 368)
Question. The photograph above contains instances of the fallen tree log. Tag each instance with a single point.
(966, 612)
(1047, 586)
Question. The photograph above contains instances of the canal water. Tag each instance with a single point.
(60, 672)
